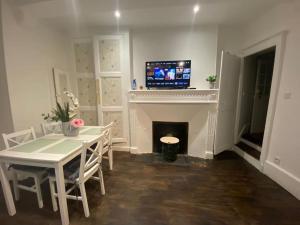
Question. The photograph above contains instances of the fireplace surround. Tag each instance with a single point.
(196, 107)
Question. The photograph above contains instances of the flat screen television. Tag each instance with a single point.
(168, 74)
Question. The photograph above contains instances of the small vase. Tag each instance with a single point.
(68, 130)
(212, 85)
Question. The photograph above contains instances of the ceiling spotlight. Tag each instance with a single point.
(196, 8)
(117, 14)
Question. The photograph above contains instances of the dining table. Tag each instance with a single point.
(50, 151)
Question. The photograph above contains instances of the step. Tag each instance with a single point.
(253, 145)
(254, 138)
(249, 150)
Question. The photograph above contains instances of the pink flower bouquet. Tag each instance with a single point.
(77, 123)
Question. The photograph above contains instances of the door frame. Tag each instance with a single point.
(278, 41)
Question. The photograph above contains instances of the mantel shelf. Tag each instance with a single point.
(185, 96)
(174, 102)
(173, 90)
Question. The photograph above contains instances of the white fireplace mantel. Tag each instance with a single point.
(197, 107)
(184, 96)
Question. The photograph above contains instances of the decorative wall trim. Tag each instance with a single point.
(186, 96)
(211, 131)
(284, 178)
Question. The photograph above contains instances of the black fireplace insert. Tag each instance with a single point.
(174, 129)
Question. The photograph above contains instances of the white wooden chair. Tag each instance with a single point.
(107, 146)
(77, 172)
(20, 172)
(52, 127)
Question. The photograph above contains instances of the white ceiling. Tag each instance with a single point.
(66, 14)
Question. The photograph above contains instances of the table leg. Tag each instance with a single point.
(61, 191)
(7, 191)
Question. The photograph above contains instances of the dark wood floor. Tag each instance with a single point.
(226, 190)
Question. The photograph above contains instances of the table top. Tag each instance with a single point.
(169, 140)
(52, 147)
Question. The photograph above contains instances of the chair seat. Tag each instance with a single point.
(105, 144)
(28, 169)
(71, 170)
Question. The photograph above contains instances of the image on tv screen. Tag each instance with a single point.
(168, 73)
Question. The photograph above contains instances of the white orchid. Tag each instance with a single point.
(75, 103)
(64, 111)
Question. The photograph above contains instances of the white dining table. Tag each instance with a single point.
(50, 151)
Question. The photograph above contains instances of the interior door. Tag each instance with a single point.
(228, 83)
(109, 68)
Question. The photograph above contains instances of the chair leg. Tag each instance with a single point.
(101, 181)
(110, 158)
(15, 185)
(84, 200)
(52, 191)
(38, 191)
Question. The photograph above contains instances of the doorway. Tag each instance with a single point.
(256, 88)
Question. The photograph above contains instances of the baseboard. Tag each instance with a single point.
(133, 150)
(121, 148)
(284, 178)
(254, 162)
(209, 155)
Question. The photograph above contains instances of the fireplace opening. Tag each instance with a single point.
(173, 129)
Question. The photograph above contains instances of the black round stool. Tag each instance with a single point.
(170, 147)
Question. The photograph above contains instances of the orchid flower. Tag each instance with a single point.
(74, 100)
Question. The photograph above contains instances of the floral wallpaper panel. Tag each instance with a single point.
(116, 117)
(110, 55)
(87, 91)
(84, 58)
(111, 91)
(90, 117)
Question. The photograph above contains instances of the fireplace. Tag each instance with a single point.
(174, 129)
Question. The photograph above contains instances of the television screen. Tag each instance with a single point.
(168, 74)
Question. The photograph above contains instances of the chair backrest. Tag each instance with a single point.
(107, 134)
(91, 158)
(18, 137)
(52, 127)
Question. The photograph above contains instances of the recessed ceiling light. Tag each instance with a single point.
(196, 8)
(117, 14)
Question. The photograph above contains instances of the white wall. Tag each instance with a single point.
(198, 44)
(5, 113)
(31, 51)
(284, 141)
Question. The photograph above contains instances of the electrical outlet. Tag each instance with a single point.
(277, 160)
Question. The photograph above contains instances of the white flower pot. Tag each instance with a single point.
(212, 85)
